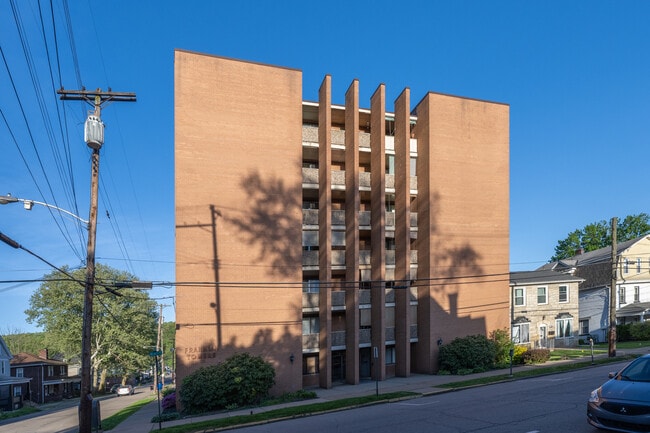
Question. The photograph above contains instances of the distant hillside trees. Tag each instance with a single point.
(598, 235)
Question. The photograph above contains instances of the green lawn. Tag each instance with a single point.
(112, 421)
(18, 412)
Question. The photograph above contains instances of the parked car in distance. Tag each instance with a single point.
(623, 402)
(124, 390)
(114, 388)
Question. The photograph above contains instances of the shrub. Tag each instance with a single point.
(536, 356)
(640, 331)
(474, 353)
(503, 343)
(169, 416)
(169, 401)
(623, 332)
(241, 380)
(518, 356)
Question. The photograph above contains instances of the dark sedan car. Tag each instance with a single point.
(623, 403)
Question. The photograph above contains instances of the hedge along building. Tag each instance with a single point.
(337, 242)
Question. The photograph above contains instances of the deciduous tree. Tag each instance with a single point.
(123, 325)
(598, 235)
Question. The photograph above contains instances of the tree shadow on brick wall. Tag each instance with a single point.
(272, 222)
(280, 348)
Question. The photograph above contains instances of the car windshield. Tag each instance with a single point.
(638, 371)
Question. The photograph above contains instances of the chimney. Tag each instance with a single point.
(43, 354)
(580, 251)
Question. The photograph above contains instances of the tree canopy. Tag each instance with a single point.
(598, 235)
(124, 321)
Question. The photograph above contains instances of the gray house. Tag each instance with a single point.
(11, 395)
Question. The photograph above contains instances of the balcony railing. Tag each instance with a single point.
(310, 177)
(310, 342)
(310, 218)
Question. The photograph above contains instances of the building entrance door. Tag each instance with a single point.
(338, 366)
(364, 363)
(542, 336)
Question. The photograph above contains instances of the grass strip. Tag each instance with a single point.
(26, 410)
(287, 412)
(536, 371)
(114, 420)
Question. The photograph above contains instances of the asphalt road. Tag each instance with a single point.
(63, 417)
(548, 404)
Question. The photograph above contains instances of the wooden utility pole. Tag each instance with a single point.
(159, 348)
(612, 294)
(94, 136)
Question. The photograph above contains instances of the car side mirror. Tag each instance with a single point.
(612, 374)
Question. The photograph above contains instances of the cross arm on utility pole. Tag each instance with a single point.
(91, 96)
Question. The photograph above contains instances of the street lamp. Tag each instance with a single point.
(28, 204)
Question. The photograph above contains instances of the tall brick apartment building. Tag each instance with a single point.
(338, 242)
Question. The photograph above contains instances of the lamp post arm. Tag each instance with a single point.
(4, 199)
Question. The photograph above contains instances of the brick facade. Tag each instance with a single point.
(337, 242)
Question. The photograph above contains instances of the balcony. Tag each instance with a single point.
(310, 342)
(310, 179)
(338, 340)
(310, 218)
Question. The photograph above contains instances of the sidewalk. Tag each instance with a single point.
(418, 383)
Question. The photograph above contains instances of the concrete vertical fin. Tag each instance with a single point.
(402, 234)
(352, 206)
(378, 230)
(325, 230)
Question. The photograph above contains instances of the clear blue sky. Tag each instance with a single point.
(575, 74)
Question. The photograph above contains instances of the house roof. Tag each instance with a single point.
(604, 254)
(601, 255)
(635, 309)
(24, 358)
(11, 380)
(541, 276)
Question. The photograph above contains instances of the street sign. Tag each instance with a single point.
(155, 353)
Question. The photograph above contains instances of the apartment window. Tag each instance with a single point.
(50, 370)
(638, 265)
(636, 293)
(310, 364)
(18, 391)
(584, 326)
(564, 294)
(542, 297)
(390, 355)
(310, 325)
(311, 286)
(563, 327)
(520, 333)
(520, 296)
(390, 164)
(390, 202)
(626, 266)
(19, 372)
(621, 295)
(414, 166)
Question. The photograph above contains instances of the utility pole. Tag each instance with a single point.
(94, 137)
(612, 294)
(159, 348)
